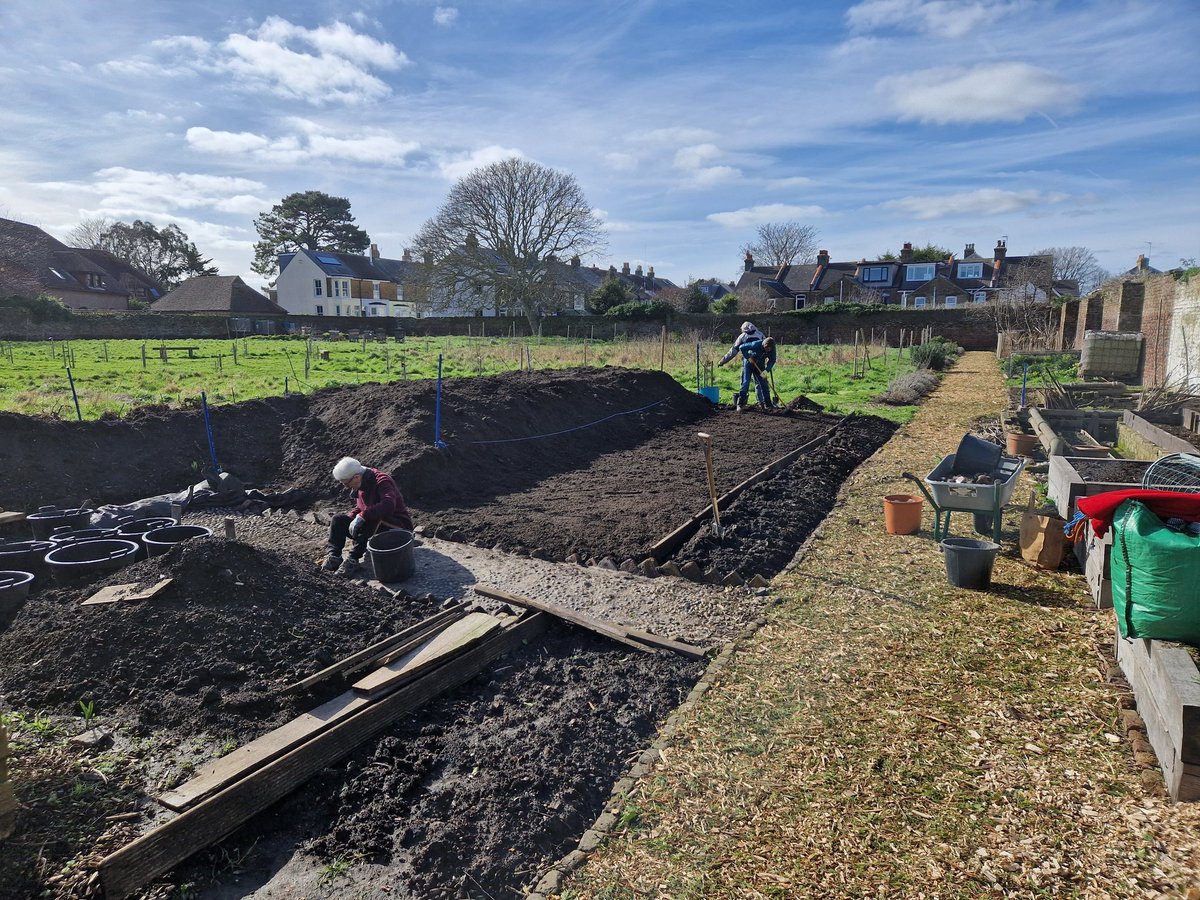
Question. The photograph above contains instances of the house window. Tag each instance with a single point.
(58, 274)
(337, 310)
(375, 290)
(94, 280)
(320, 310)
(970, 270)
(951, 302)
(828, 300)
(317, 287)
(918, 272)
(918, 302)
(980, 297)
(875, 273)
(345, 288)
(800, 300)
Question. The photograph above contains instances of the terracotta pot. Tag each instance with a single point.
(902, 513)
(1017, 443)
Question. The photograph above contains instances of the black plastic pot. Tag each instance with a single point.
(63, 535)
(137, 529)
(47, 518)
(25, 556)
(71, 563)
(160, 540)
(14, 590)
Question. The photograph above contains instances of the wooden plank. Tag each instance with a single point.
(367, 655)
(218, 773)
(581, 620)
(657, 640)
(110, 594)
(155, 852)
(440, 648)
(1163, 440)
(7, 517)
(157, 588)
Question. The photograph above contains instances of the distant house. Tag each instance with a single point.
(904, 282)
(32, 262)
(224, 294)
(328, 283)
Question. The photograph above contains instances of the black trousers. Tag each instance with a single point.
(339, 532)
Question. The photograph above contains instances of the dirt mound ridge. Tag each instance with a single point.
(498, 430)
(210, 652)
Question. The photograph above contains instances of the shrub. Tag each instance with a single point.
(655, 309)
(909, 388)
(938, 354)
(40, 308)
(727, 305)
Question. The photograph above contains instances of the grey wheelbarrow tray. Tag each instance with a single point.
(948, 497)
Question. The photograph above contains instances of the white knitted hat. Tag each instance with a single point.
(348, 467)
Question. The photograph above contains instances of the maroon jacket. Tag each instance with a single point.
(379, 501)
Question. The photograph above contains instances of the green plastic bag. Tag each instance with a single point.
(1155, 575)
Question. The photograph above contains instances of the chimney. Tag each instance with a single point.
(968, 251)
(749, 261)
(1142, 263)
(374, 251)
(575, 261)
(1001, 249)
(822, 257)
(650, 278)
(638, 272)
(472, 242)
(906, 253)
(624, 268)
(407, 256)
(612, 271)
(428, 258)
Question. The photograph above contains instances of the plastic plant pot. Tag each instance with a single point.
(902, 513)
(160, 540)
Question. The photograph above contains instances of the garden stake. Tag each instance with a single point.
(718, 531)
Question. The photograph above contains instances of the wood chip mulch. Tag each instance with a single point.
(887, 734)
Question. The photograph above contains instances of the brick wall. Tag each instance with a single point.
(1157, 309)
(1068, 323)
(1183, 345)
(16, 325)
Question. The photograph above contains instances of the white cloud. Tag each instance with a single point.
(460, 165)
(124, 191)
(989, 92)
(314, 142)
(445, 15)
(783, 184)
(670, 137)
(225, 142)
(695, 162)
(769, 212)
(943, 18)
(621, 162)
(323, 65)
(140, 116)
(973, 203)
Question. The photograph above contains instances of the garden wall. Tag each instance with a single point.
(972, 327)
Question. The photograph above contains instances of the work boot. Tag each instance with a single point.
(352, 568)
(331, 562)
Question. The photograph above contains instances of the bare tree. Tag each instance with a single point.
(498, 234)
(784, 243)
(1076, 264)
(90, 233)
(1023, 307)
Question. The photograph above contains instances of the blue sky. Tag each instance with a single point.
(687, 124)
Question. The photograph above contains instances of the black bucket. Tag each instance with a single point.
(63, 535)
(392, 555)
(969, 562)
(975, 456)
(160, 540)
(14, 590)
(26, 556)
(47, 518)
(88, 559)
(136, 530)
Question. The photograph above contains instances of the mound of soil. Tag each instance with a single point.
(210, 652)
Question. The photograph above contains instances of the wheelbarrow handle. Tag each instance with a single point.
(909, 476)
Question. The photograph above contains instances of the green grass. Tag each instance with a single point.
(112, 378)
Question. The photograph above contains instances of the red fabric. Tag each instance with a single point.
(1165, 504)
(379, 500)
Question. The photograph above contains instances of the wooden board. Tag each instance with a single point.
(633, 637)
(454, 640)
(218, 773)
(7, 517)
(131, 867)
(364, 657)
(127, 592)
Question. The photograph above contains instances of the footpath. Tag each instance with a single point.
(887, 734)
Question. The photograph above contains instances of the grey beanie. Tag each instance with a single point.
(348, 467)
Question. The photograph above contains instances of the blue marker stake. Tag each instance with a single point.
(212, 447)
(437, 411)
(1024, 379)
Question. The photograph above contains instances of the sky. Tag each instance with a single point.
(687, 123)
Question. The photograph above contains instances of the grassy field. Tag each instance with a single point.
(118, 375)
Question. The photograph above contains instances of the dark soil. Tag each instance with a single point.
(1183, 434)
(476, 792)
(1111, 471)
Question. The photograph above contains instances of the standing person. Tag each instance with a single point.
(750, 336)
(378, 506)
(759, 358)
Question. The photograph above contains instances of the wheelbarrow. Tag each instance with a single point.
(946, 497)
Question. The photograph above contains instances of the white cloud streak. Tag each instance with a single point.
(445, 16)
(941, 18)
(989, 92)
(985, 201)
(769, 212)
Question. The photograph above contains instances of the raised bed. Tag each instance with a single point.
(1097, 556)
(1166, 685)
(1150, 441)
(1075, 432)
(1073, 477)
(1191, 419)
